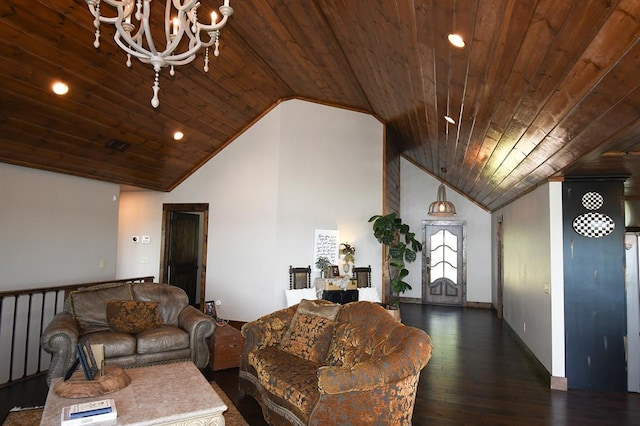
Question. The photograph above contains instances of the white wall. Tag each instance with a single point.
(533, 273)
(139, 215)
(418, 191)
(55, 229)
(631, 213)
(330, 177)
(302, 167)
(556, 291)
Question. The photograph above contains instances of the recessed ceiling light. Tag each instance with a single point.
(456, 40)
(60, 88)
(449, 119)
(177, 136)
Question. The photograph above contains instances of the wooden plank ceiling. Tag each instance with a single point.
(543, 88)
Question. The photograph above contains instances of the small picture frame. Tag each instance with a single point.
(333, 271)
(87, 360)
(210, 308)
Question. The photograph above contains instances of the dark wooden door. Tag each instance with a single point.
(499, 269)
(444, 276)
(183, 253)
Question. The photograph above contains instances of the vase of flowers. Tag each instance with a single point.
(348, 253)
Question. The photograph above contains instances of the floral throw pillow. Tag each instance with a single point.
(132, 316)
(311, 330)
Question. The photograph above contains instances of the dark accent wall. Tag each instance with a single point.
(595, 303)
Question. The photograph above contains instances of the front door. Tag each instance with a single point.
(444, 260)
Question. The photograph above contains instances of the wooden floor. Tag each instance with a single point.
(478, 375)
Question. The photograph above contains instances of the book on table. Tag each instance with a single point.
(88, 413)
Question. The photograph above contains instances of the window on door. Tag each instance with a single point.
(444, 275)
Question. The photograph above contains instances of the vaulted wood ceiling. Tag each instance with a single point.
(542, 88)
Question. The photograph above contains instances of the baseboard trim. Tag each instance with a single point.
(559, 383)
(418, 301)
(553, 382)
(477, 305)
(415, 300)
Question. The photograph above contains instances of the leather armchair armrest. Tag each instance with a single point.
(60, 339)
(199, 326)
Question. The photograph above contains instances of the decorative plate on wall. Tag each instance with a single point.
(592, 201)
(593, 225)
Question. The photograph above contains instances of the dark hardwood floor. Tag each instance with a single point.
(478, 375)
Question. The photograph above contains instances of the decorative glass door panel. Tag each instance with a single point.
(444, 270)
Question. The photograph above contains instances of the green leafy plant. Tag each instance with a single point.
(322, 263)
(402, 247)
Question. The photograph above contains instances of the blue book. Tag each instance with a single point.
(90, 412)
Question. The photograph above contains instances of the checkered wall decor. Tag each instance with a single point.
(593, 224)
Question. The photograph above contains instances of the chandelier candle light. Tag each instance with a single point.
(181, 19)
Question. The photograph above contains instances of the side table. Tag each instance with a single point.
(340, 296)
(225, 347)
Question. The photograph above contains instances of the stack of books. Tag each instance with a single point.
(88, 413)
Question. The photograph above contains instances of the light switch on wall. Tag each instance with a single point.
(146, 239)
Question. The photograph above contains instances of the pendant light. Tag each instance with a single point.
(441, 207)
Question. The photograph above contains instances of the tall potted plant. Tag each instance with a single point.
(401, 248)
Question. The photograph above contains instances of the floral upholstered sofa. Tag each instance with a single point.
(318, 363)
(138, 324)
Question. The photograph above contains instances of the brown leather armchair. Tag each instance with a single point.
(178, 333)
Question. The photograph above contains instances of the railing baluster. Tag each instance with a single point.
(1, 313)
(13, 337)
(27, 336)
(42, 306)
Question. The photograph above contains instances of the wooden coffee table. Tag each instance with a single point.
(168, 394)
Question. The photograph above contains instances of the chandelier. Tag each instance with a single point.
(441, 207)
(133, 33)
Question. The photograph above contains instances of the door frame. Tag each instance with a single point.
(426, 267)
(499, 268)
(204, 231)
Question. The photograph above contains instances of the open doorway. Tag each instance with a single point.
(183, 258)
(499, 268)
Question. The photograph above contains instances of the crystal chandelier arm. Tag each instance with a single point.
(190, 4)
(186, 12)
(127, 6)
(225, 11)
(144, 24)
(96, 12)
(139, 52)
